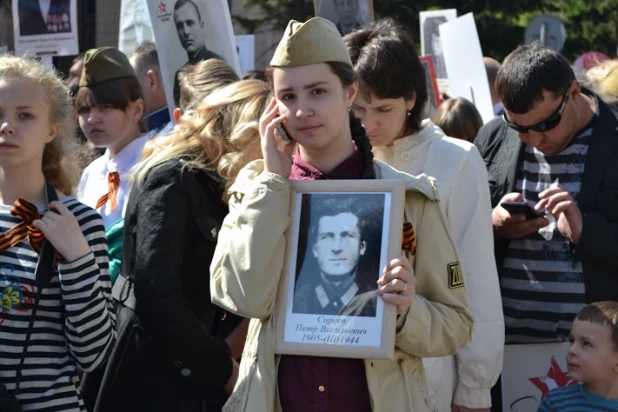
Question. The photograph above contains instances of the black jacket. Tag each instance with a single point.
(168, 357)
(597, 249)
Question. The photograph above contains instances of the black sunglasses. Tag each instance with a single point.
(545, 125)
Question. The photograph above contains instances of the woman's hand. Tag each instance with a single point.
(61, 229)
(398, 284)
(276, 160)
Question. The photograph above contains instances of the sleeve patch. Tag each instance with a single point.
(455, 276)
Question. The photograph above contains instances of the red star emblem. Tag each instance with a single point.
(555, 378)
(162, 7)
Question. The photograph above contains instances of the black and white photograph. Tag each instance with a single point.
(340, 239)
(339, 254)
(348, 15)
(135, 26)
(44, 17)
(430, 22)
(187, 32)
(45, 27)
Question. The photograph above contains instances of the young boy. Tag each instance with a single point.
(593, 361)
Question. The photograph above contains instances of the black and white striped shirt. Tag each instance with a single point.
(74, 324)
(542, 285)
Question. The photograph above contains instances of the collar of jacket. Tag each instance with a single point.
(408, 146)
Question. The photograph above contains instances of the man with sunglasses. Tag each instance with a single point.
(556, 148)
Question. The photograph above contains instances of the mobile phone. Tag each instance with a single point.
(284, 133)
(523, 208)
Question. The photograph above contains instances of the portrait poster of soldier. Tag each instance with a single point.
(348, 15)
(135, 25)
(430, 22)
(45, 27)
(187, 32)
(433, 95)
(338, 243)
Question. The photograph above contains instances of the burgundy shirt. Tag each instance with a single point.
(315, 384)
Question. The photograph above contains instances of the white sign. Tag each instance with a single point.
(430, 37)
(45, 28)
(135, 25)
(464, 64)
(529, 372)
(188, 31)
(245, 45)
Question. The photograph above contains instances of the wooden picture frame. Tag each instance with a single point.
(341, 235)
(326, 9)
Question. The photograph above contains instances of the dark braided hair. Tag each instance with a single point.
(359, 135)
(347, 76)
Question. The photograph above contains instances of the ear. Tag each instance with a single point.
(54, 128)
(410, 103)
(137, 110)
(177, 115)
(351, 92)
(315, 250)
(152, 80)
(575, 89)
(363, 248)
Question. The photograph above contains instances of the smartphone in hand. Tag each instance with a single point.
(522, 208)
(284, 134)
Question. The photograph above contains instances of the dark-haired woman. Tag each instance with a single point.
(314, 86)
(390, 105)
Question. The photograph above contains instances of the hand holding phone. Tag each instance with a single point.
(285, 136)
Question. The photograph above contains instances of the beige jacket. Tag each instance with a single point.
(461, 177)
(247, 266)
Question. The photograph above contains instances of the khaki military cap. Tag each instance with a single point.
(315, 41)
(104, 64)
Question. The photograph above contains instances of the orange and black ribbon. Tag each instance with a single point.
(24, 230)
(408, 240)
(113, 182)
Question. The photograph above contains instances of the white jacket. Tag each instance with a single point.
(461, 175)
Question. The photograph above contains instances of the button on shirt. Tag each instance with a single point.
(319, 384)
(94, 183)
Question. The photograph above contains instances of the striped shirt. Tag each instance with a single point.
(541, 282)
(74, 323)
(575, 398)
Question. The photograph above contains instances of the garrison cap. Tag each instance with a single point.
(104, 64)
(315, 41)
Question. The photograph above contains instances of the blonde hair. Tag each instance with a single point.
(198, 80)
(458, 118)
(60, 155)
(221, 134)
(595, 80)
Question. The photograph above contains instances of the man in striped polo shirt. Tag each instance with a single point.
(556, 148)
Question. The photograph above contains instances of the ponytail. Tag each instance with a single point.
(359, 135)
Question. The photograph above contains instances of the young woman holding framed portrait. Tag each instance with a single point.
(314, 86)
(391, 105)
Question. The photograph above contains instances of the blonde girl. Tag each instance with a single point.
(47, 332)
(169, 356)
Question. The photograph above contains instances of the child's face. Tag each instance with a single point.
(108, 127)
(592, 357)
(25, 126)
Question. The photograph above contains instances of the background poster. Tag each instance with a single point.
(433, 95)
(530, 372)
(245, 44)
(45, 28)
(464, 63)
(206, 27)
(346, 14)
(429, 22)
(135, 25)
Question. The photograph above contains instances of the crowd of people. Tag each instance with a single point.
(143, 246)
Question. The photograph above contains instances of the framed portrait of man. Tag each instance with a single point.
(348, 15)
(341, 236)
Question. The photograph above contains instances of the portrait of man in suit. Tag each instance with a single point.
(38, 17)
(338, 263)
